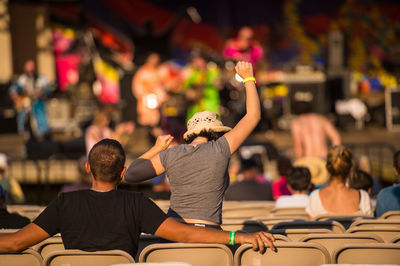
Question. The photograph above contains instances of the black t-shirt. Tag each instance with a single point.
(92, 221)
(12, 220)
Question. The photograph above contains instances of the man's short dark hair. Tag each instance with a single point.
(299, 178)
(361, 180)
(209, 134)
(107, 160)
(284, 165)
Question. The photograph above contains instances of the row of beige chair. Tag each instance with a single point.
(288, 253)
(65, 257)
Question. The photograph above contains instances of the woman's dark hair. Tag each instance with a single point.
(361, 180)
(209, 134)
(339, 162)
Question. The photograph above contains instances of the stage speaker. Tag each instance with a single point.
(392, 105)
(311, 94)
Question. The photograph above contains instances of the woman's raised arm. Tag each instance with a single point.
(242, 130)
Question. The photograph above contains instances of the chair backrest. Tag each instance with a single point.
(49, 245)
(334, 226)
(345, 219)
(168, 263)
(78, 257)
(385, 232)
(196, 254)
(376, 222)
(331, 241)
(8, 231)
(249, 226)
(395, 239)
(288, 253)
(297, 234)
(367, 253)
(290, 211)
(26, 257)
(144, 241)
(245, 212)
(391, 215)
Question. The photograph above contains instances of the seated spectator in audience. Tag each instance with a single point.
(361, 180)
(198, 170)
(337, 197)
(389, 198)
(299, 182)
(279, 187)
(10, 220)
(104, 218)
(100, 130)
(15, 195)
(83, 180)
(249, 188)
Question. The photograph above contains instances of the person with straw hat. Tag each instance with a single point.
(197, 170)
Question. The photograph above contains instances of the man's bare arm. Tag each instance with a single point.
(242, 130)
(22, 239)
(332, 133)
(178, 232)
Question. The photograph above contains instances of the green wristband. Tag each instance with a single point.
(232, 238)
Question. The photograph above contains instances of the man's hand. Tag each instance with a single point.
(163, 142)
(244, 69)
(259, 240)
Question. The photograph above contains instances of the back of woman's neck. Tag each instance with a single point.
(198, 140)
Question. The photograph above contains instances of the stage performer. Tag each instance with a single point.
(244, 47)
(198, 170)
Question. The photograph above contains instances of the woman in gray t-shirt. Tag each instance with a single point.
(197, 171)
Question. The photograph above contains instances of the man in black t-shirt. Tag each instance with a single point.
(10, 220)
(104, 218)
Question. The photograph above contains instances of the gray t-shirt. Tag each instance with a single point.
(198, 176)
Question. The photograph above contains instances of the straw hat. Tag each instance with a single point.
(206, 120)
(317, 168)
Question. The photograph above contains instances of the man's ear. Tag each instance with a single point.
(123, 172)
(87, 166)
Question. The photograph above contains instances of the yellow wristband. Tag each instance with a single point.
(249, 79)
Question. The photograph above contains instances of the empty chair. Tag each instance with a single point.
(289, 211)
(376, 222)
(367, 253)
(249, 226)
(23, 258)
(334, 226)
(395, 239)
(288, 253)
(245, 212)
(391, 215)
(331, 241)
(196, 254)
(385, 232)
(173, 263)
(297, 234)
(346, 219)
(49, 245)
(78, 257)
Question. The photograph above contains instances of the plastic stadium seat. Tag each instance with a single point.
(395, 239)
(82, 258)
(23, 258)
(196, 254)
(297, 234)
(288, 253)
(391, 215)
(385, 232)
(172, 263)
(376, 222)
(249, 226)
(367, 253)
(289, 211)
(331, 241)
(49, 245)
(334, 226)
(345, 219)
(245, 212)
